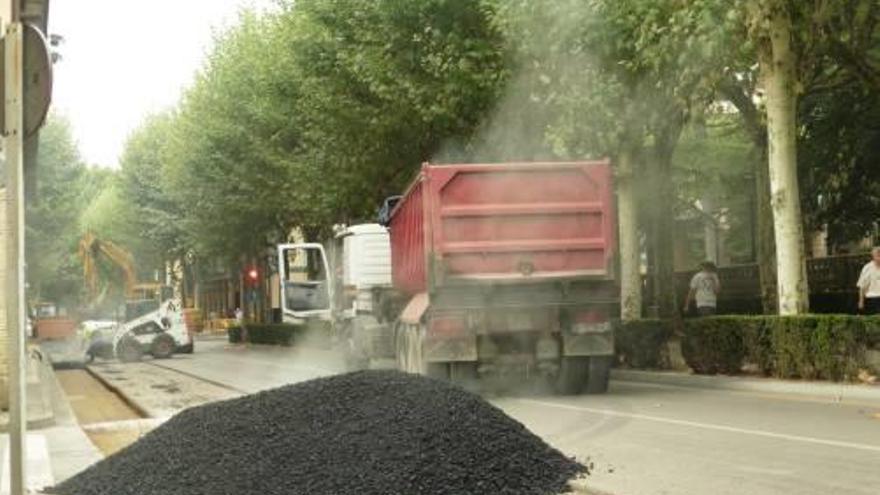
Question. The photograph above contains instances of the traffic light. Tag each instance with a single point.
(252, 276)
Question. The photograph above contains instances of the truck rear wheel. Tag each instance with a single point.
(439, 371)
(599, 374)
(573, 375)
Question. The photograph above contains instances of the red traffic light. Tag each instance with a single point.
(251, 276)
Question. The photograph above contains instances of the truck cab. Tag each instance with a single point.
(344, 282)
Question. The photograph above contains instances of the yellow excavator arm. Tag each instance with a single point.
(89, 249)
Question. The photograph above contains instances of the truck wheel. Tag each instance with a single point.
(163, 346)
(438, 371)
(599, 374)
(129, 350)
(573, 375)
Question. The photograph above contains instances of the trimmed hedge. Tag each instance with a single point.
(828, 347)
(640, 343)
(283, 335)
(715, 345)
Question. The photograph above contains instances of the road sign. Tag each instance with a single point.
(37, 80)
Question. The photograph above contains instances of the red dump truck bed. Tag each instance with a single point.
(504, 222)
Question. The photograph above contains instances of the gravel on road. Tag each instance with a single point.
(366, 433)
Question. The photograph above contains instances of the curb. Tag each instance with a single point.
(138, 408)
(836, 392)
(38, 388)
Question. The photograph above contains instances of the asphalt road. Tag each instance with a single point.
(642, 438)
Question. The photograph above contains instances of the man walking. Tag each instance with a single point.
(704, 290)
(869, 285)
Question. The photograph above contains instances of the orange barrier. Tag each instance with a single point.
(54, 328)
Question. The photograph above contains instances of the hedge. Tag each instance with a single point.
(283, 334)
(829, 347)
(641, 343)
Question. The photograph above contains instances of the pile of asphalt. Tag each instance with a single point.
(371, 432)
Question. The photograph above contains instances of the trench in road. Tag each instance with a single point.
(109, 422)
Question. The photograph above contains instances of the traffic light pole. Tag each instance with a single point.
(14, 265)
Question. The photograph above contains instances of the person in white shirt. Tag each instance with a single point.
(869, 285)
(704, 290)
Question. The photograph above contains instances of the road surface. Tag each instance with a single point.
(641, 438)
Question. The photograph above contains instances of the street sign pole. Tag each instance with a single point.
(15, 303)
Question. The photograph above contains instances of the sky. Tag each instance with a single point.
(124, 59)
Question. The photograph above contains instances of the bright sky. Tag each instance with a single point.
(124, 59)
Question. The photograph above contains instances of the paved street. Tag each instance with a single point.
(642, 438)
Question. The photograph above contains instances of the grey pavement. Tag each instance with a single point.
(57, 447)
(836, 392)
(38, 391)
(645, 438)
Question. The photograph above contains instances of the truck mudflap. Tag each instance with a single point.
(594, 339)
(450, 349)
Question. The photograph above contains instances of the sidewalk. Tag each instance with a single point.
(57, 447)
(834, 392)
(40, 413)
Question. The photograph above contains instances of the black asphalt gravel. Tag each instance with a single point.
(365, 433)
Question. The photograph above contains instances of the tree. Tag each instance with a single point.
(64, 188)
(772, 28)
(154, 216)
(839, 146)
(310, 115)
(619, 78)
(794, 43)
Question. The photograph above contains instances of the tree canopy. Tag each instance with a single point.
(310, 113)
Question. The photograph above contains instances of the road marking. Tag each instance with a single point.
(818, 398)
(38, 465)
(707, 426)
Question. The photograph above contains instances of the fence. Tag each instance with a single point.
(832, 282)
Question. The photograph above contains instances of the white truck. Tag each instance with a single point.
(344, 284)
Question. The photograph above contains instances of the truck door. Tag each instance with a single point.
(306, 285)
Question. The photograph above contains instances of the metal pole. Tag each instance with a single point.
(15, 303)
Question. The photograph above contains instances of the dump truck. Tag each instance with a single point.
(504, 269)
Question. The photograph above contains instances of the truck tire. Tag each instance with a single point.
(599, 374)
(573, 375)
(437, 371)
(129, 350)
(163, 346)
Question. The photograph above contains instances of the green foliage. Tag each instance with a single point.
(840, 149)
(283, 335)
(830, 347)
(311, 114)
(712, 167)
(65, 186)
(714, 345)
(153, 215)
(640, 343)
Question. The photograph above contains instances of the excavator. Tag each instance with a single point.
(90, 247)
(154, 321)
